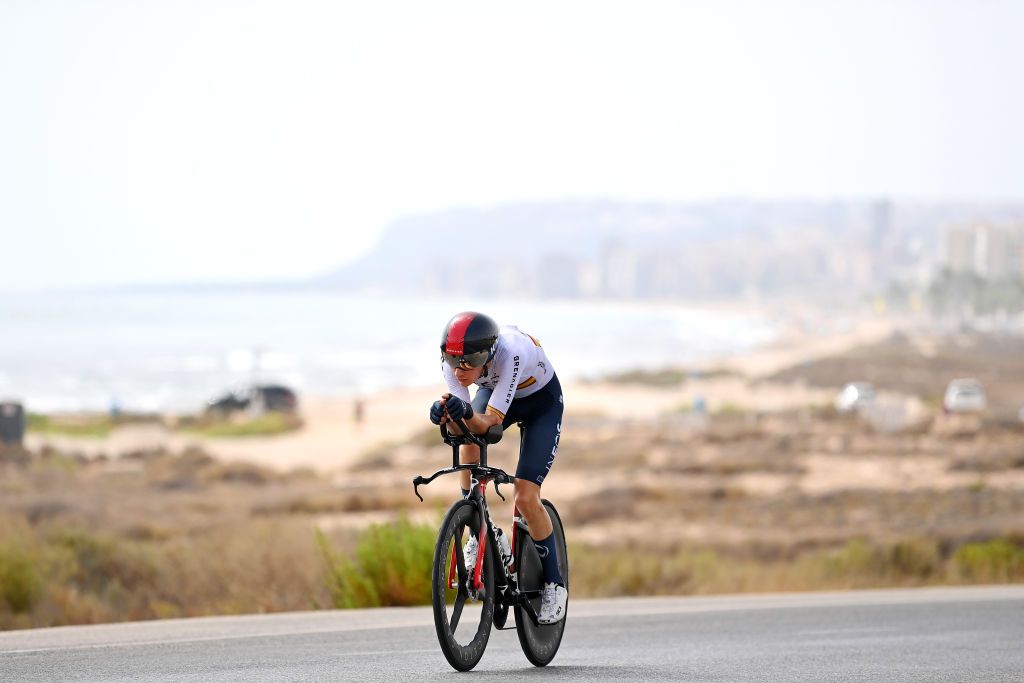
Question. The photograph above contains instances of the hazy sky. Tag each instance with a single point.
(203, 141)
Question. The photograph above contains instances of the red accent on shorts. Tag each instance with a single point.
(454, 344)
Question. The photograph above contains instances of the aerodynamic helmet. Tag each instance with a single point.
(469, 339)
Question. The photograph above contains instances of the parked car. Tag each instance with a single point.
(964, 396)
(267, 397)
(856, 396)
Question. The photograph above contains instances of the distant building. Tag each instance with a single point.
(558, 276)
(620, 265)
(985, 250)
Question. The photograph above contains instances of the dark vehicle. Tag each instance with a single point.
(12, 423)
(265, 397)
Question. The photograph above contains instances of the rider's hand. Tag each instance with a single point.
(458, 409)
(437, 412)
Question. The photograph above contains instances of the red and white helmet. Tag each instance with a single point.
(469, 339)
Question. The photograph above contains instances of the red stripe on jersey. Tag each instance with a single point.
(454, 344)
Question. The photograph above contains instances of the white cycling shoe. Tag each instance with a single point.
(469, 552)
(552, 605)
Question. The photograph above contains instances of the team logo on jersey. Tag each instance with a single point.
(510, 394)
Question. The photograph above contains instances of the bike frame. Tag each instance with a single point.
(480, 475)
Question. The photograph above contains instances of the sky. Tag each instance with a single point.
(214, 141)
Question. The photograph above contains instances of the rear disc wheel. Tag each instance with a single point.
(540, 642)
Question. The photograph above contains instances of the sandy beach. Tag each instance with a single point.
(332, 440)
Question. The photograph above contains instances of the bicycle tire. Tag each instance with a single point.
(540, 642)
(500, 606)
(453, 533)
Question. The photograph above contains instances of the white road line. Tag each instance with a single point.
(200, 639)
(846, 631)
(384, 652)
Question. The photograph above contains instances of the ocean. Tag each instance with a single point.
(173, 351)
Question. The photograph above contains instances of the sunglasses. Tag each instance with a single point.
(466, 361)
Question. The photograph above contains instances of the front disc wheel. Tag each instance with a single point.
(463, 612)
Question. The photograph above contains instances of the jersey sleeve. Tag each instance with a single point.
(509, 367)
(454, 388)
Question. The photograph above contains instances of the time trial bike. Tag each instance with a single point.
(468, 600)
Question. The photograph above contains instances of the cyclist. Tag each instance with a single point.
(516, 385)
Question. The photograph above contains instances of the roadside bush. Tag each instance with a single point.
(252, 566)
(861, 563)
(997, 560)
(99, 564)
(599, 572)
(853, 561)
(268, 424)
(21, 585)
(390, 568)
(913, 559)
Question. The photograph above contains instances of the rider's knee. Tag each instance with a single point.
(527, 495)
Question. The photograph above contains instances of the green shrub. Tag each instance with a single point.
(731, 409)
(98, 426)
(913, 559)
(21, 583)
(997, 560)
(855, 559)
(599, 571)
(391, 566)
(103, 564)
(268, 424)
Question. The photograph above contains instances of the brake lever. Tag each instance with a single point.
(416, 487)
(497, 490)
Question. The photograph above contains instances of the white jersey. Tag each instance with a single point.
(519, 368)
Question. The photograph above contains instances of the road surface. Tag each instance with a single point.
(940, 634)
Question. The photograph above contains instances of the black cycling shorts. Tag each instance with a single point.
(539, 417)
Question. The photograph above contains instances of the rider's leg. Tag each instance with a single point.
(467, 454)
(533, 511)
(471, 454)
(536, 515)
(540, 435)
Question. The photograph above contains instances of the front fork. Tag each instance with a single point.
(481, 538)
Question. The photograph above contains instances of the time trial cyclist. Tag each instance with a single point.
(516, 384)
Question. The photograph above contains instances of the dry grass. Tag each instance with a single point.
(651, 507)
(151, 535)
(859, 563)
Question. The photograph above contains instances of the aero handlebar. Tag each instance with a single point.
(481, 471)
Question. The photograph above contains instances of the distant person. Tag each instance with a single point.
(516, 385)
(358, 412)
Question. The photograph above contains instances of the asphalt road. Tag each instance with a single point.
(946, 634)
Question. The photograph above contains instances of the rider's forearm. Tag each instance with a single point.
(481, 422)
